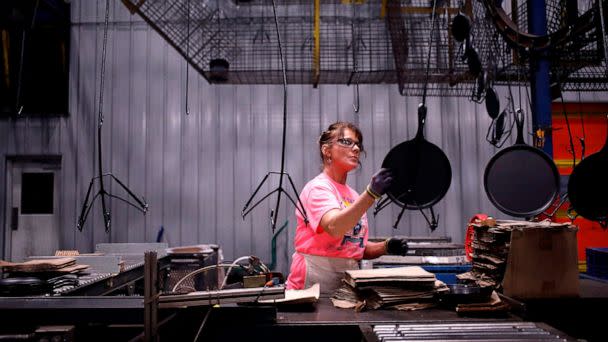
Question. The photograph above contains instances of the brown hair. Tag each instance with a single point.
(336, 130)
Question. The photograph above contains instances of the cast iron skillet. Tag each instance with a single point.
(521, 180)
(17, 286)
(588, 186)
(461, 27)
(421, 171)
(492, 103)
(461, 293)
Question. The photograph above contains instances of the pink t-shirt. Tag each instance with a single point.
(319, 196)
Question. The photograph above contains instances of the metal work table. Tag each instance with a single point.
(326, 313)
(580, 317)
(568, 317)
(323, 320)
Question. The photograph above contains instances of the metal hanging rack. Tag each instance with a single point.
(279, 189)
(102, 192)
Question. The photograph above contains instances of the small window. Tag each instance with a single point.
(37, 192)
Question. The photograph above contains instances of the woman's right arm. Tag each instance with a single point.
(337, 222)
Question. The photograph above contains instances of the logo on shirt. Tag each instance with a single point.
(356, 235)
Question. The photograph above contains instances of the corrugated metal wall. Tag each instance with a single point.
(196, 171)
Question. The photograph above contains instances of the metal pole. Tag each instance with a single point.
(150, 297)
(539, 78)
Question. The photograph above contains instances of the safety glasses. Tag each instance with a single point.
(347, 142)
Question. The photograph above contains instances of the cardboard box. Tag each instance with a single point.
(542, 263)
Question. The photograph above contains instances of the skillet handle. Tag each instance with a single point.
(605, 148)
(519, 121)
(421, 121)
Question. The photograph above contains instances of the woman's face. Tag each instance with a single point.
(344, 151)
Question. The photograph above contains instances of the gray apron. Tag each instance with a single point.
(327, 271)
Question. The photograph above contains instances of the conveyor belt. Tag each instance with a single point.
(99, 284)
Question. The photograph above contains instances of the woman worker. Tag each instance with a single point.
(335, 238)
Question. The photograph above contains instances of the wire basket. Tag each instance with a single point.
(576, 65)
(355, 42)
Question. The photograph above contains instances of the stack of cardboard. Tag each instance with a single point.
(57, 265)
(39, 276)
(525, 259)
(405, 288)
(490, 250)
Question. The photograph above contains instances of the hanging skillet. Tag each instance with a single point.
(492, 103)
(521, 180)
(461, 27)
(421, 171)
(588, 186)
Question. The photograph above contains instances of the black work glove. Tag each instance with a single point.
(380, 183)
(396, 246)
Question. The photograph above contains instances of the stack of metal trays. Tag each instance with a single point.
(486, 331)
(425, 251)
